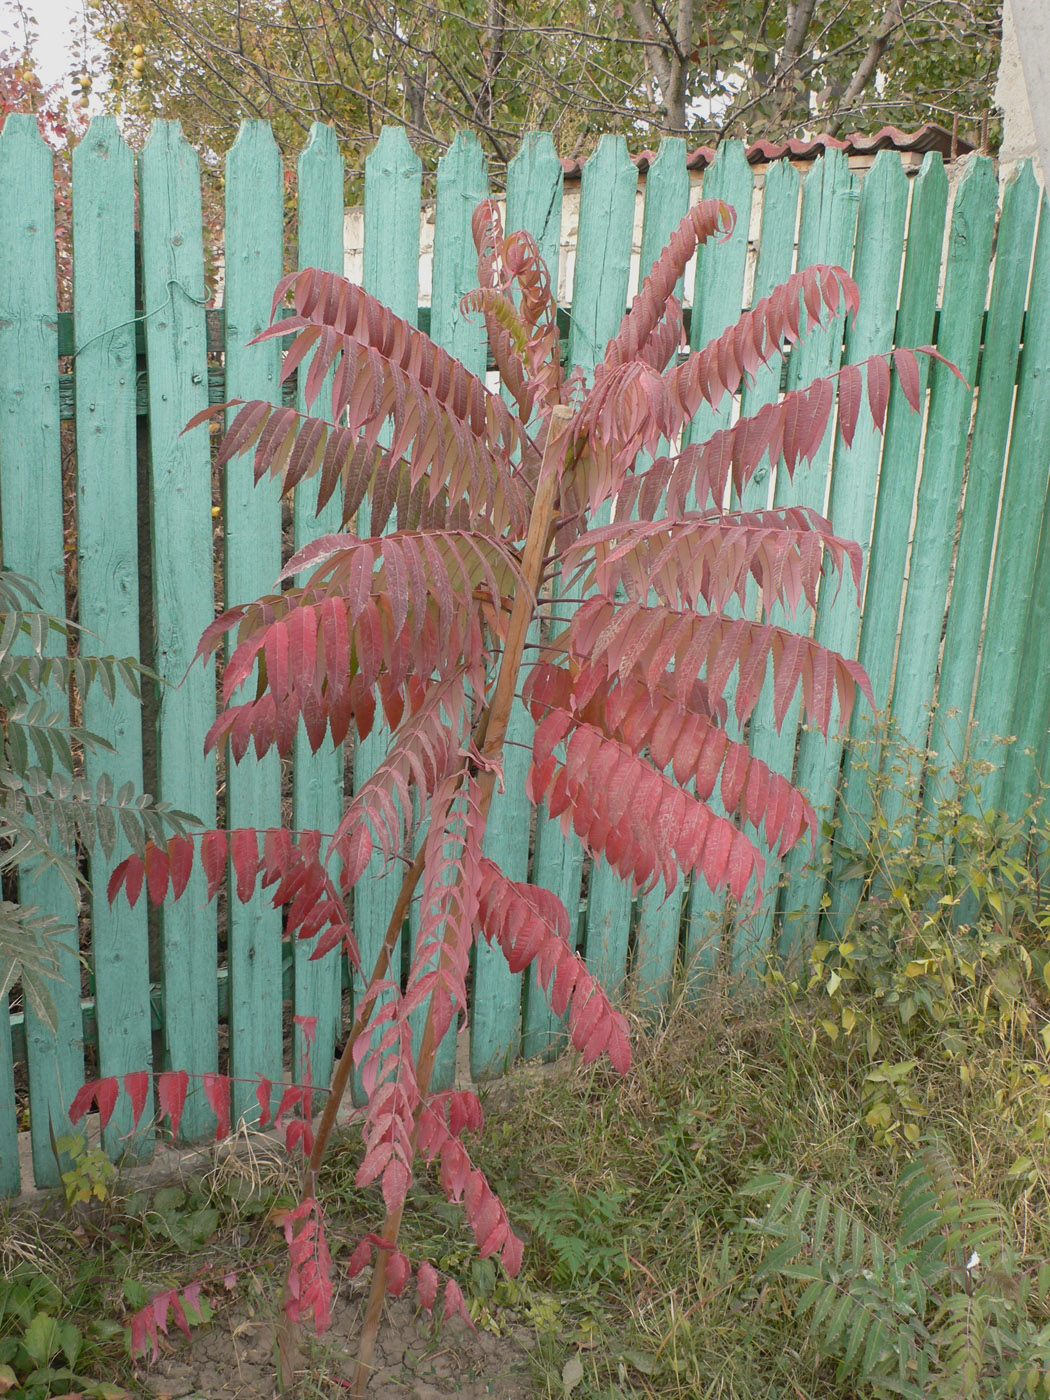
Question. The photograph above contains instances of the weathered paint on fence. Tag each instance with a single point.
(317, 779)
(534, 198)
(174, 296)
(393, 186)
(887, 560)
(109, 567)
(31, 511)
(922, 460)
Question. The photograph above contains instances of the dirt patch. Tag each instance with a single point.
(233, 1359)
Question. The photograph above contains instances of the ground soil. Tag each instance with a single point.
(233, 1359)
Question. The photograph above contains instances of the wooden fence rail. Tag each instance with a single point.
(948, 507)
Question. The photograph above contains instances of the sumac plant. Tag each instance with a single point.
(491, 496)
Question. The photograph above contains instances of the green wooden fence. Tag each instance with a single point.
(949, 510)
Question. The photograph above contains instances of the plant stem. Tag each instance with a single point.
(491, 732)
(346, 1060)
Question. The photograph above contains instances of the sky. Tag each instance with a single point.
(56, 23)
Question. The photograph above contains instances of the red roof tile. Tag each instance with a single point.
(927, 138)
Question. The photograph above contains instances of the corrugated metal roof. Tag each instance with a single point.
(890, 138)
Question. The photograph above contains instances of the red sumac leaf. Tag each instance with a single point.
(264, 1094)
(244, 854)
(217, 1092)
(136, 1086)
(84, 1098)
(213, 858)
(907, 366)
(398, 1272)
(360, 1259)
(106, 1093)
(427, 1281)
(850, 391)
(180, 853)
(171, 1096)
(156, 873)
(455, 1304)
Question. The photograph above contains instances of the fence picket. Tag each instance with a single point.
(534, 199)
(1028, 756)
(599, 300)
(718, 298)
(33, 544)
(393, 185)
(317, 778)
(1013, 574)
(462, 183)
(889, 544)
(174, 294)
(10, 1166)
(108, 561)
(854, 478)
(252, 529)
(948, 422)
(660, 913)
(826, 235)
(984, 479)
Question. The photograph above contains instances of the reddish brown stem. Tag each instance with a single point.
(491, 732)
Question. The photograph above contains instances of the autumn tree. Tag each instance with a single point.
(751, 68)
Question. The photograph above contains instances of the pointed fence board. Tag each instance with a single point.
(393, 187)
(33, 544)
(534, 198)
(10, 1167)
(174, 294)
(776, 260)
(944, 455)
(1026, 765)
(252, 527)
(108, 581)
(317, 778)
(659, 913)
(999, 697)
(889, 547)
(718, 299)
(462, 183)
(826, 235)
(984, 477)
(854, 478)
(599, 300)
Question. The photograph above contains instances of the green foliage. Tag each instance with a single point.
(90, 1175)
(49, 814)
(580, 1234)
(935, 1307)
(41, 1348)
(571, 68)
(944, 953)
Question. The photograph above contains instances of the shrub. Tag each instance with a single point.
(493, 498)
(49, 815)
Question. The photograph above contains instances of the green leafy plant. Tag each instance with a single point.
(90, 1175)
(945, 951)
(494, 498)
(49, 814)
(935, 1307)
(580, 1234)
(40, 1347)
